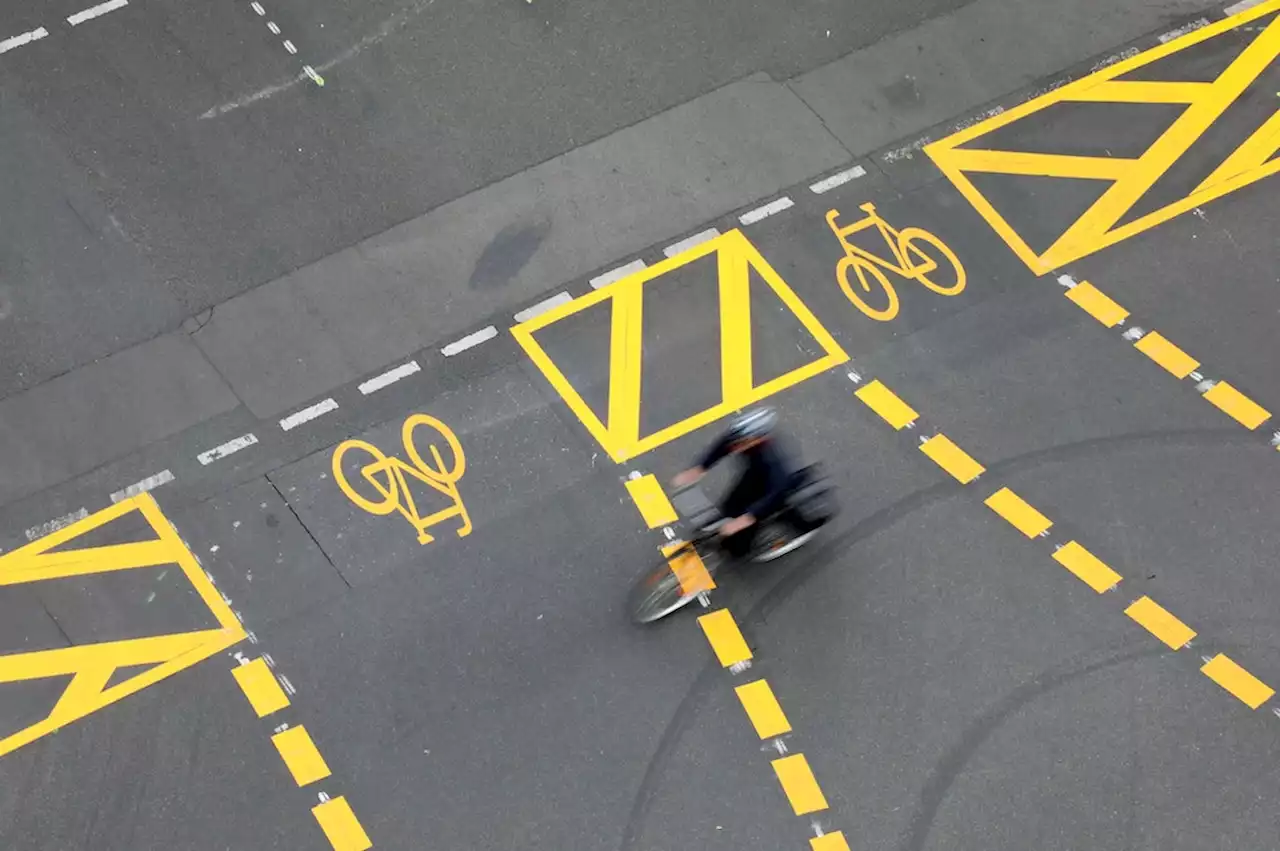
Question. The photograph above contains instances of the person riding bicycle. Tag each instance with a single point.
(764, 484)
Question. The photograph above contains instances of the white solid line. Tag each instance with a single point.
(288, 45)
(838, 179)
(19, 40)
(469, 341)
(1242, 6)
(55, 524)
(150, 483)
(231, 447)
(308, 414)
(761, 213)
(543, 306)
(95, 11)
(612, 277)
(391, 376)
(1181, 31)
(685, 244)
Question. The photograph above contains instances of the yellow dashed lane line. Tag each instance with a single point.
(1169, 356)
(1072, 555)
(301, 756)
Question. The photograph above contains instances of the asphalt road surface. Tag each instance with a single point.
(348, 352)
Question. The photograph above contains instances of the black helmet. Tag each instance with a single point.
(752, 425)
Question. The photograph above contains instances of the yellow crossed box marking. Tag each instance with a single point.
(620, 434)
(1250, 690)
(91, 666)
(649, 497)
(1160, 622)
(1103, 224)
(341, 826)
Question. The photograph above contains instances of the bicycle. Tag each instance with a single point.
(910, 261)
(688, 568)
(387, 476)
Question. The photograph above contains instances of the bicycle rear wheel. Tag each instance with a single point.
(864, 270)
(657, 594)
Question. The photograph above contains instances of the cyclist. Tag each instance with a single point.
(764, 484)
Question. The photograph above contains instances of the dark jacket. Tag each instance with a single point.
(765, 479)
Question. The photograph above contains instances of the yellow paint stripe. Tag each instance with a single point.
(1143, 91)
(260, 686)
(736, 379)
(1053, 165)
(626, 356)
(1236, 405)
(1097, 304)
(886, 403)
(1254, 153)
(725, 637)
(1157, 347)
(952, 458)
(649, 497)
(829, 842)
(1160, 623)
(799, 784)
(1018, 512)
(1087, 567)
(688, 567)
(1250, 690)
(340, 826)
(300, 755)
(763, 709)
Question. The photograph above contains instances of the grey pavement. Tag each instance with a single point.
(951, 685)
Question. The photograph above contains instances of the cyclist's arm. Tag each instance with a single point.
(714, 454)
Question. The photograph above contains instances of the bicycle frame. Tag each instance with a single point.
(396, 470)
(890, 234)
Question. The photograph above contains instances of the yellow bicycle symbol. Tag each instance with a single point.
(911, 260)
(387, 477)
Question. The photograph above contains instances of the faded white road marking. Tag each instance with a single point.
(391, 376)
(96, 11)
(1181, 31)
(615, 275)
(51, 526)
(469, 341)
(150, 483)
(543, 306)
(306, 415)
(1242, 6)
(19, 40)
(761, 213)
(229, 448)
(838, 179)
(685, 244)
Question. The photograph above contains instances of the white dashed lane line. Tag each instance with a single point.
(615, 275)
(764, 212)
(543, 306)
(24, 39)
(96, 11)
(150, 483)
(306, 415)
(231, 447)
(470, 341)
(391, 376)
(685, 244)
(51, 526)
(838, 179)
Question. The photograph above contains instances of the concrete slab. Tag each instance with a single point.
(85, 418)
(420, 281)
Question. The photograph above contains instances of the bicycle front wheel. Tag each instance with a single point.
(865, 269)
(657, 594)
(443, 473)
(928, 256)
